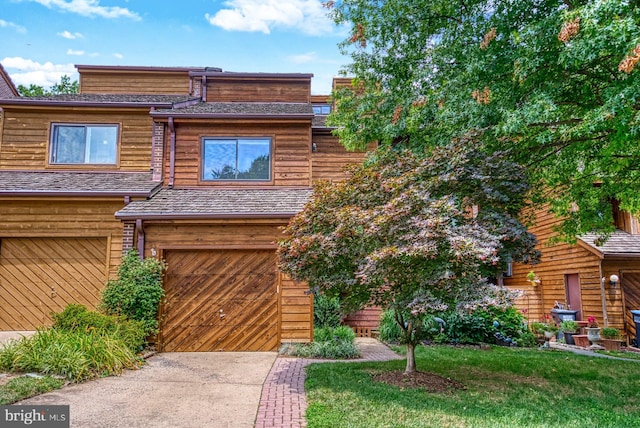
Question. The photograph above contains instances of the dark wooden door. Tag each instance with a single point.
(220, 300)
(574, 296)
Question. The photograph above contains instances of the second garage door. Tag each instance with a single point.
(220, 300)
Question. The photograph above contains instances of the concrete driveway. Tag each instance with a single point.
(196, 389)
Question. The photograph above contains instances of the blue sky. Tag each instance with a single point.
(41, 40)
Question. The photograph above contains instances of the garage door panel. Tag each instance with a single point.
(201, 283)
(41, 275)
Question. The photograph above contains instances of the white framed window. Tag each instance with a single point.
(236, 159)
(77, 144)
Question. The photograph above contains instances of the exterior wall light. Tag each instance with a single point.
(613, 280)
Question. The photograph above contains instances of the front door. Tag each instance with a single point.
(574, 297)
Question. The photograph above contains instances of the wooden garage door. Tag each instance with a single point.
(220, 300)
(40, 275)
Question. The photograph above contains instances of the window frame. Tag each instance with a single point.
(237, 139)
(53, 144)
(322, 107)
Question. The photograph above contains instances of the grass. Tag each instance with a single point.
(622, 354)
(505, 387)
(23, 387)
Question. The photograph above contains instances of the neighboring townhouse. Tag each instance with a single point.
(196, 166)
(579, 277)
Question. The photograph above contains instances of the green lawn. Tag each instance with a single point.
(505, 387)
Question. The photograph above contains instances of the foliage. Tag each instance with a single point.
(593, 322)
(555, 84)
(326, 311)
(76, 317)
(505, 388)
(610, 333)
(23, 387)
(74, 354)
(65, 86)
(397, 233)
(137, 292)
(390, 331)
(542, 327)
(568, 326)
(328, 342)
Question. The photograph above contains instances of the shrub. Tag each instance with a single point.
(332, 343)
(326, 311)
(390, 330)
(137, 292)
(74, 354)
(77, 317)
(610, 333)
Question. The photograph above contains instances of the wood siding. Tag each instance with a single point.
(41, 275)
(365, 322)
(295, 307)
(557, 261)
(249, 89)
(24, 144)
(331, 158)
(291, 147)
(68, 218)
(631, 286)
(120, 82)
(220, 300)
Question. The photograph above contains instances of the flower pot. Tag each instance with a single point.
(593, 334)
(581, 340)
(568, 338)
(611, 344)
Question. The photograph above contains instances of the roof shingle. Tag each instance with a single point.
(58, 183)
(620, 243)
(241, 108)
(218, 203)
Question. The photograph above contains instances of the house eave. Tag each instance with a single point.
(78, 194)
(202, 216)
(93, 104)
(178, 115)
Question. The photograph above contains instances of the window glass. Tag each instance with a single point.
(237, 159)
(321, 108)
(84, 144)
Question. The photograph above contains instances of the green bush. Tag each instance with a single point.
(326, 311)
(344, 333)
(137, 292)
(390, 330)
(76, 317)
(332, 343)
(74, 354)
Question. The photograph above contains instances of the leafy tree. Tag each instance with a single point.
(398, 233)
(65, 86)
(552, 83)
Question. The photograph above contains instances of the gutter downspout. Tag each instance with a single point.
(172, 153)
(605, 316)
(140, 233)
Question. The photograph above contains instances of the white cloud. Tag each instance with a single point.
(7, 24)
(72, 52)
(308, 16)
(118, 55)
(71, 36)
(305, 58)
(25, 71)
(89, 8)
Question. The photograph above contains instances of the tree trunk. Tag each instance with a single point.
(411, 358)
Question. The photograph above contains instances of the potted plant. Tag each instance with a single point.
(533, 278)
(611, 338)
(593, 330)
(569, 328)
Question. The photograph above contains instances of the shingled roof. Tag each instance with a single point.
(218, 203)
(252, 109)
(89, 100)
(619, 244)
(64, 183)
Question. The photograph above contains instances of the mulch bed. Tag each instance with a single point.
(430, 382)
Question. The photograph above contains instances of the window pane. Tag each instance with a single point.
(219, 160)
(253, 159)
(102, 144)
(68, 144)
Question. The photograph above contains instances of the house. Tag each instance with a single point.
(197, 166)
(594, 278)
(7, 88)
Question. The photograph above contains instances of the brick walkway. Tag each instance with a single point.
(283, 402)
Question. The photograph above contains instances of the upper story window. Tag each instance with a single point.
(236, 159)
(84, 144)
(321, 108)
